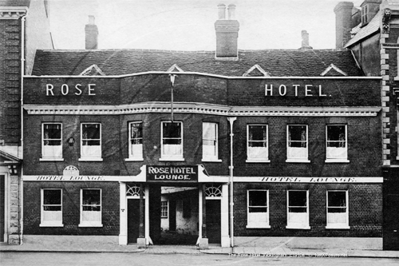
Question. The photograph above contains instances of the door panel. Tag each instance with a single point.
(213, 221)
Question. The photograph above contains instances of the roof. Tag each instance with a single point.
(128, 61)
(372, 27)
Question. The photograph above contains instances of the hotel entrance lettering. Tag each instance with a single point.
(172, 173)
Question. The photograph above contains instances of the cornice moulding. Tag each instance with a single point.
(199, 108)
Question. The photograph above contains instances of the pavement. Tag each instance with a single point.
(244, 246)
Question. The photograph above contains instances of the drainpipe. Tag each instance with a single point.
(22, 123)
(231, 168)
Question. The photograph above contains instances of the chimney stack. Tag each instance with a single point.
(305, 41)
(226, 33)
(343, 23)
(91, 31)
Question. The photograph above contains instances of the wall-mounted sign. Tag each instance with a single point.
(295, 90)
(172, 173)
(65, 89)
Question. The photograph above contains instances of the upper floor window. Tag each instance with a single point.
(209, 141)
(51, 207)
(337, 145)
(298, 209)
(172, 141)
(136, 141)
(337, 209)
(90, 207)
(90, 142)
(257, 143)
(258, 209)
(297, 143)
(52, 141)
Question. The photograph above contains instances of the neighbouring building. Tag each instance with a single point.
(23, 28)
(151, 146)
(373, 38)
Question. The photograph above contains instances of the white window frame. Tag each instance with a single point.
(298, 220)
(170, 157)
(294, 152)
(83, 156)
(206, 156)
(53, 152)
(335, 216)
(164, 208)
(135, 150)
(95, 222)
(56, 215)
(251, 159)
(363, 15)
(332, 153)
(252, 217)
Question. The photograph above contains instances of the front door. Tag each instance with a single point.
(2, 206)
(213, 221)
(133, 220)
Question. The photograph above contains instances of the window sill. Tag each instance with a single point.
(134, 159)
(171, 159)
(257, 161)
(51, 225)
(210, 160)
(338, 227)
(90, 159)
(258, 227)
(90, 225)
(337, 161)
(298, 227)
(297, 161)
(51, 159)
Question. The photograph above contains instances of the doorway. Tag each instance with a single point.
(2, 206)
(213, 221)
(179, 216)
(133, 220)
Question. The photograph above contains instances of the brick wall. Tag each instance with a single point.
(10, 41)
(365, 210)
(71, 208)
(363, 145)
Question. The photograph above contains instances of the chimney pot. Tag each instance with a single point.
(221, 11)
(231, 9)
(305, 40)
(92, 20)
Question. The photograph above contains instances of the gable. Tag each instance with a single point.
(333, 70)
(256, 71)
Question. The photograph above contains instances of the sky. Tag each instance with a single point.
(189, 24)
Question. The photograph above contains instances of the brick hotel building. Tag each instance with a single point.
(143, 144)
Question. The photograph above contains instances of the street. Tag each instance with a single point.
(138, 259)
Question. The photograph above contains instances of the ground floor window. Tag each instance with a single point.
(298, 209)
(51, 207)
(337, 209)
(90, 207)
(164, 209)
(258, 209)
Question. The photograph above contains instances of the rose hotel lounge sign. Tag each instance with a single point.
(172, 173)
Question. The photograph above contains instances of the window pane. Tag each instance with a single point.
(336, 210)
(297, 133)
(171, 130)
(136, 130)
(335, 136)
(91, 197)
(52, 208)
(336, 199)
(92, 208)
(296, 209)
(257, 132)
(91, 142)
(297, 198)
(52, 131)
(91, 131)
(52, 196)
(257, 198)
(209, 131)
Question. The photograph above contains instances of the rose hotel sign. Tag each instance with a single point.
(295, 90)
(172, 173)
